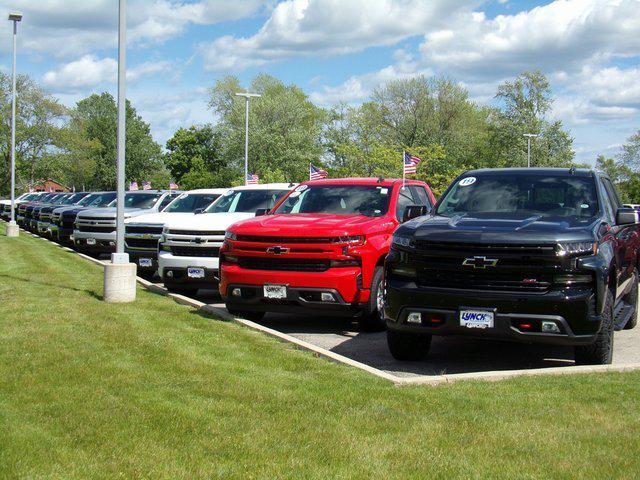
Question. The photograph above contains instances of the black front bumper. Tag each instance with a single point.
(178, 278)
(300, 300)
(572, 309)
(136, 255)
(100, 247)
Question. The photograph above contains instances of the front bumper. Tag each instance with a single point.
(572, 309)
(43, 227)
(135, 256)
(173, 270)
(303, 290)
(104, 242)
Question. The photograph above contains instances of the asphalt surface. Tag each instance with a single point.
(448, 354)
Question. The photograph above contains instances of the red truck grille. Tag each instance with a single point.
(282, 264)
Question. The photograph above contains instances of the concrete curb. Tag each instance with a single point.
(492, 376)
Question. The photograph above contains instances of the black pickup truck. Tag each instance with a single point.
(531, 255)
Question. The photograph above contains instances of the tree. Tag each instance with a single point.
(39, 122)
(284, 128)
(630, 154)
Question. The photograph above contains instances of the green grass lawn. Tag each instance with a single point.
(154, 390)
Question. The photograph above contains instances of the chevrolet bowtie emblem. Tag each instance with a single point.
(480, 262)
(277, 250)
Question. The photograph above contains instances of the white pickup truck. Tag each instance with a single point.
(188, 252)
(143, 232)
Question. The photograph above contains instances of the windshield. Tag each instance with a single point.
(190, 202)
(141, 200)
(71, 199)
(511, 195)
(248, 201)
(99, 200)
(368, 200)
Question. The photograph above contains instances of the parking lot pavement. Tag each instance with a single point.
(448, 355)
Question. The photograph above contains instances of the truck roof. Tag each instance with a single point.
(356, 181)
(265, 186)
(583, 172)
(218, 191)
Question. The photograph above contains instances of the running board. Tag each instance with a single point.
(622, 315)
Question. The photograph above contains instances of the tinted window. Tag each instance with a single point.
(246, 201)
(404, 200)
(522, 195)
(102, 200)
(421, 196)
(141, 200)
(369, 200)
(190, 202)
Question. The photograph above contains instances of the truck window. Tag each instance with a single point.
(368, 200)
(420, 195)
(247, 201)
(404, 200)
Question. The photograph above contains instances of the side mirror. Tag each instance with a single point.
(626, 216)
(262, 211)
(198, 211)
(413, 211)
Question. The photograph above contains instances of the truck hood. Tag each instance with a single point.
(207, 221)
(111, 212)
(478, 228)
(313, 225)
(159, 218)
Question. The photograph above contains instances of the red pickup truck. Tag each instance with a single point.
(321, 249)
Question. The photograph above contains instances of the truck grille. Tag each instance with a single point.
(281, 264)
(283, 240)
(197, 233)
(96, 228)
(505, 282)
(146, 243)
(144, 229)
(195, 251)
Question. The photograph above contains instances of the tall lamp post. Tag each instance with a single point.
(529, 137)
(247, 96)
(12, 227)
(120, 275)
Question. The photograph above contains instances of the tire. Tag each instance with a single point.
(408, 346)
(252, 316)
(372, 319)
(632, 299)
(600, 352)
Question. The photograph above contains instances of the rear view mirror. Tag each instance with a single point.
(626, 216)
(262, 211)
(413, 211)
(198, 211)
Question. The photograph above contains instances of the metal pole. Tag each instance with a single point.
(13, 129)
(246, 141)
(120, 256)
(528, 152)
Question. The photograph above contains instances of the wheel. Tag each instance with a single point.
(408, 346)
(252, 316)
(600, 352)
(187, 292)
(373, 318)
(631, 298)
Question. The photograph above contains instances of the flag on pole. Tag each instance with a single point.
(146, 185)
(410, 163)
(133, 185)
(316, 173)
(173, 185)
(252, 179)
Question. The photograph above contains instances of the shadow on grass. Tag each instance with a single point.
(91, 293)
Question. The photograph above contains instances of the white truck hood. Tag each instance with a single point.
(159, 218)
(207, 221)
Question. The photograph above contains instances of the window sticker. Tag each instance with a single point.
(384, 190)
(465, 182)
(584, 205)
(295, 194)
(301, 188)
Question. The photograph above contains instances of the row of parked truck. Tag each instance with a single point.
(531, 255)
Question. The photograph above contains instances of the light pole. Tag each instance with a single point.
(12, 228)
(529, 137)
(247, 96)
(120, 275)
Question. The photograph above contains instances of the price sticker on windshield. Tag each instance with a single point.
(465, 182)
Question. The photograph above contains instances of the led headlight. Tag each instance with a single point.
(403, 241)
(577, 248)
(230, 236)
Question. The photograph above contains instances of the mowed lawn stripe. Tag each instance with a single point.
(154, 390)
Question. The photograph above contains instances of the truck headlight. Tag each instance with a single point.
(230, 236)
(402, 241)
(577, 248)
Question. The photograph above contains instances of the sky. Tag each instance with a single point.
(339, 51)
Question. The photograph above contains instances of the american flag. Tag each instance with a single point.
(133, 185)
(252, 179)
(316, 173)
(146, 185)
(410, 163)
(173, 186)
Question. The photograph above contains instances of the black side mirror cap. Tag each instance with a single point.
(262, 211)
(626, 216)
(413, 211)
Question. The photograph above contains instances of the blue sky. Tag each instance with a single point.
(340, 50)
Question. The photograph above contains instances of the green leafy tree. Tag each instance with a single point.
(194, 148)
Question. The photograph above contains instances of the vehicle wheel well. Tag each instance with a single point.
(611, 284)
(380, 262)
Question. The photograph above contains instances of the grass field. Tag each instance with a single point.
(153, 390)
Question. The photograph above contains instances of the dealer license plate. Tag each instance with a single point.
(476, 319)
(275, 291)
(91, 241)
(145, 262)
(195, 272)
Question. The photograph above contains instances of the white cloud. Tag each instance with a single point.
(90, 72)
(328, 27)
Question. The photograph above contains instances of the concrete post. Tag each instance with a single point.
(12, 230)
(119, 282)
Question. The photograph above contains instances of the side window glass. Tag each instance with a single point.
(420, 194)
(613, 195)
(404, 200)
(165, 201)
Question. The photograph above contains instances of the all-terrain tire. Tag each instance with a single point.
(408, 346)
(631, 298)
(600, 352)
(372, 319)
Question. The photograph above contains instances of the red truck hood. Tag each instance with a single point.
(311, 225)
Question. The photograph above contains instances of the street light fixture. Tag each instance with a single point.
(12, 227)
(529, 137)
(247, 96)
